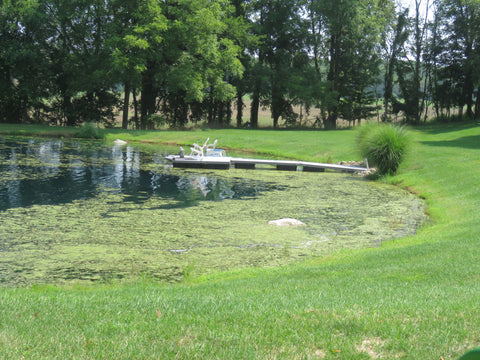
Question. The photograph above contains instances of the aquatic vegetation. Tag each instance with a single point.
(144, 218)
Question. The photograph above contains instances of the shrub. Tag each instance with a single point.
(90, 131)
(384, 146)
(155, 120)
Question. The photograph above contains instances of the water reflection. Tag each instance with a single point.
(47, 172)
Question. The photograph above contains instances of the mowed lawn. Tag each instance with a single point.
(411, 298)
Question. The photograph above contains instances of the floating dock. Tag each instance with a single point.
(293, 165)
(248, 163)
(209, 157)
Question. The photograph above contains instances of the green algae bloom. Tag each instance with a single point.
(217, 220)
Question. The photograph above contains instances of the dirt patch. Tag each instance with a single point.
(372, 347)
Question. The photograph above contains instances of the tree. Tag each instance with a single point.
(24, 68)
(129, 49)
(410, 71)
(460, 26)
(248, 43)
(139, 30)
(200, 57)
(351, 32)
(283, 33)
(399, 38)
(74, 40)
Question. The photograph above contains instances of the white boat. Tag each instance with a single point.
(206, 156)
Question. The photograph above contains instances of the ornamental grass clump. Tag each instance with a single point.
(384, 146)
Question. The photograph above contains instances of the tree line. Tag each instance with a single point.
(174, 62)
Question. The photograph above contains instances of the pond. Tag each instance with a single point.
(90, 211)
(36, 172)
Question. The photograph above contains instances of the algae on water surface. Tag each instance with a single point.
(206, 221)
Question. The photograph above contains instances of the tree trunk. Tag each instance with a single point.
(135, 108)
(418, 59)
(240, 106)
(332, 109)
(315, 37)
(147, 101)
(387, 95)
(228, 110)
(126, 106)
(477, 106)
(331, 121)
(68, 111)
(277, 102)
(255, 104)
(468, 89)
(211, 108)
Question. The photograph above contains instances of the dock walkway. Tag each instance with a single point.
(293, 165)
(248, 163)
(209, 157)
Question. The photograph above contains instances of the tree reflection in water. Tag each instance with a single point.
(49, 172)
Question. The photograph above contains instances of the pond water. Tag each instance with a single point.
(39, 172)
(91, 211)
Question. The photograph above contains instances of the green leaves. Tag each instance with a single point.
(184, 57)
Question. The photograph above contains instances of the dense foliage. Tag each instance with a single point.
(173, 62)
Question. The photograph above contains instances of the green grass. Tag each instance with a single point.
(412, 298)
(307, 144)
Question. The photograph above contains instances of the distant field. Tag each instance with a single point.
(306, 119)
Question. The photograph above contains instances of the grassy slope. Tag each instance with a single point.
(413, 298)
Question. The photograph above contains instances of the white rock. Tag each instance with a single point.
(119, 142)
(286, 222)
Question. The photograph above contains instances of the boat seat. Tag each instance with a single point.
(212, 146)
(196, 151)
